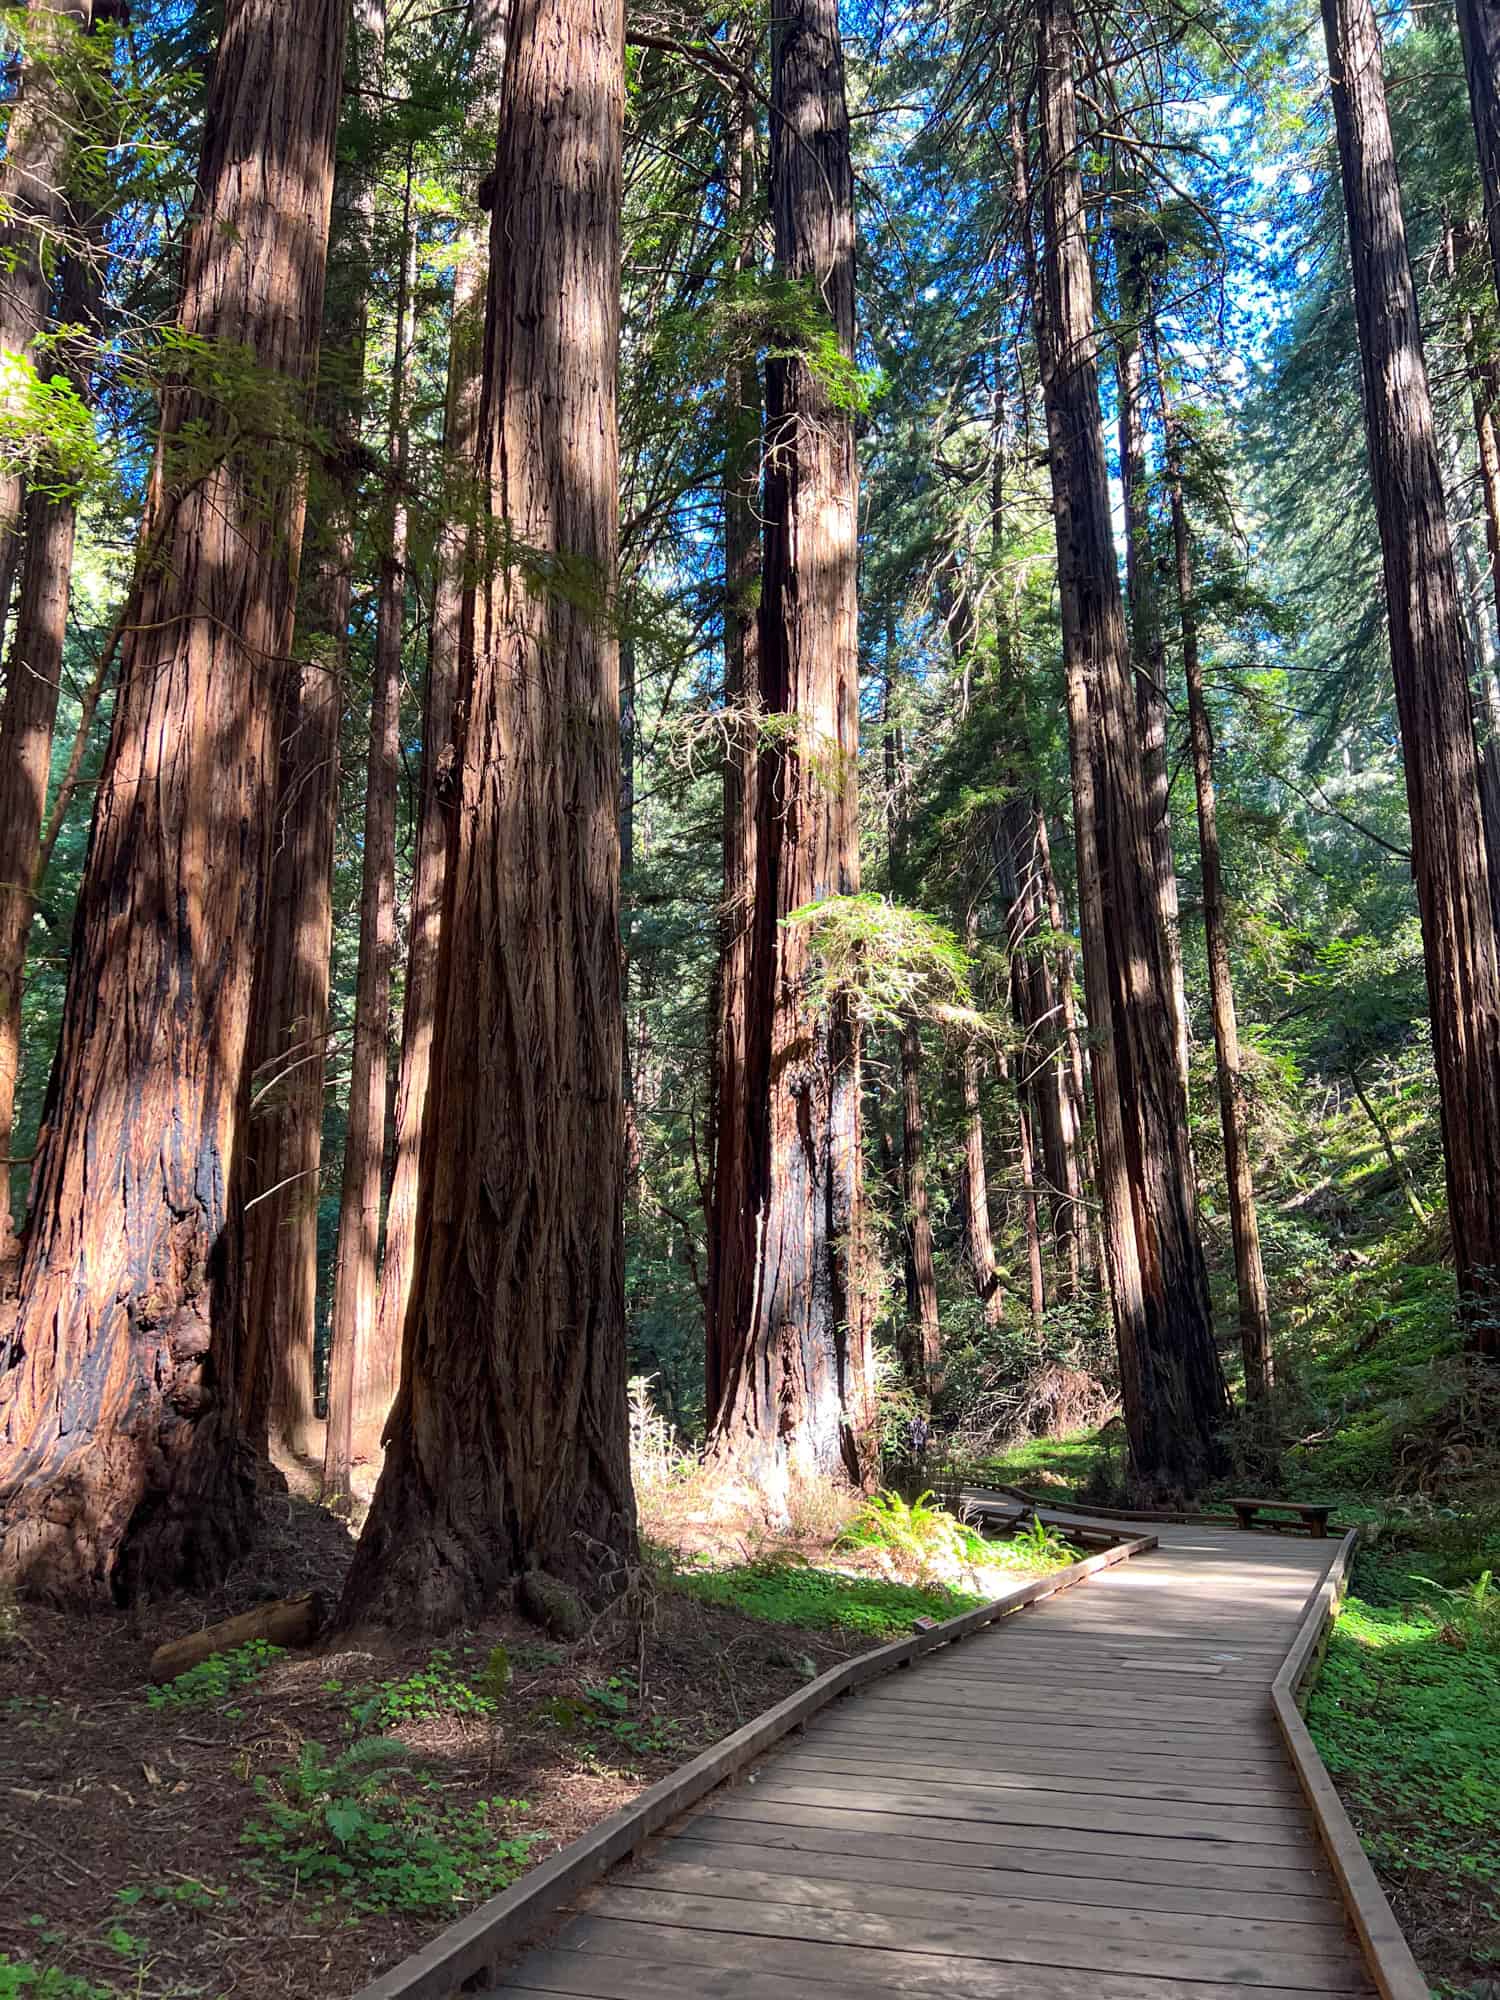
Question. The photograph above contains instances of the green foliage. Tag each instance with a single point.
(22, 1979)
(366, 1829)
(184, 1895)
(923, 1534)
(788, 1593)
(1407, 1715)
(611, 1709)
(217, 1676)
(436, 1689)
(889, 961)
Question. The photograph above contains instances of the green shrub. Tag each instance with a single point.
(365, 1828)
(436, 1689)
(219, 1675)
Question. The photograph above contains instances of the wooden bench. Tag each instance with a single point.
(1311, 1514)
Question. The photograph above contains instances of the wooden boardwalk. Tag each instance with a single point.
(1089, 1801)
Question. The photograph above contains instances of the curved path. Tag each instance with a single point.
(1089, 1801)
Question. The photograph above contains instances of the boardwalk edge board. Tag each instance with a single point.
(468, 1950)
(1394, 1970)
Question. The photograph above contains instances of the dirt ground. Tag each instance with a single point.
(125, 1869)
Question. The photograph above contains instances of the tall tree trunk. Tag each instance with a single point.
(979, 1242)
(361, 1383)
(1249, 1271)
(507, 1447)
(732, 1218)
(377, 1365)
(1428, 660)
(39, 143)
(1148, 652)
(283, 1153)
(28, 718)
(1030, 1219)
(121, 1468)
(455, 539)
(1483, 371)
(1171, 1382)
(924, 1339)
(1479, 32)
(797, 1386)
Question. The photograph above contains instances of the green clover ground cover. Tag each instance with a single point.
(1407, 1716)
(822, 1600)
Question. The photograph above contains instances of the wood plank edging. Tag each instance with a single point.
(469, 1948)
(1395, 1971)
(1179, 1516)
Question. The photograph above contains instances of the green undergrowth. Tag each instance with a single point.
(219, 1675)
(24, 1979)
(785, 1592)
(1406, 1714)
(371, 1830)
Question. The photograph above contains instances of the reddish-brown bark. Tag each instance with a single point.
(283, 1154)
(979, 1241)
(924, 1340)
(362, 1380)
(40, 138)
(120, 1468)
(1148, 652)
(797, 1388)
(506, 1449)
(731, 1232)
(1479, 33)
(1427, 658)
(1244, 1223)
(1172, 1385)
(28, 718)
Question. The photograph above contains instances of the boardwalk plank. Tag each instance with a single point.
(1087, 1801)
(944, 1931)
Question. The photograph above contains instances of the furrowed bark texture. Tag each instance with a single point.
(28, 718)
(506, 1449)
(924, 1340)
(797, 1392)
(1148, 652)
(1427, 658)
(1172, 1384)
(1244, 1223)
(120, 1460)
(731, 1235)
(362, 1379)
(455, 534)
(979, 1241)
(39, 143)
(284, 1150)
(1479, 33)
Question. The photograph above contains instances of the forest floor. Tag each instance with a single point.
(275, 1824)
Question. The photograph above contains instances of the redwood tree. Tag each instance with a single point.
(1172, 1385)
(455, 529)
(1428, 659)
(1239, 1176)
(119, 1461)
(731, 1236)
(28, 717)
(796, 1376)
(1479, 32)
(361, 1383)
(506, 1449)
(283, 1154)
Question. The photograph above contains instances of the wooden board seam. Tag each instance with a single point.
(471, 1946)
